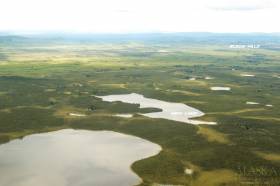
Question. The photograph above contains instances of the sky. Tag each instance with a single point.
(124, 16)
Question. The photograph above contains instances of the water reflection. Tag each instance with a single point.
(171, 111)
(73, 158)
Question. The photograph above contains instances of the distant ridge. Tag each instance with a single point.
(172, 38)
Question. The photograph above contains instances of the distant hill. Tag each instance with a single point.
(168, 38)
(11, 38)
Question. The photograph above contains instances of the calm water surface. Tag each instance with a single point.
(73, 158)
(171, 111)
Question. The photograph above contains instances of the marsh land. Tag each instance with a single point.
(53, 82)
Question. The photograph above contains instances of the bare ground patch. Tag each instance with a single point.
(212, 135)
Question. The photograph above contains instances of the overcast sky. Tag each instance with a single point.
(140, 15)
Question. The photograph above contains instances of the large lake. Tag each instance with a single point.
(73, 158)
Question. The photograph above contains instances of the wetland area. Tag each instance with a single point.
(139, 110)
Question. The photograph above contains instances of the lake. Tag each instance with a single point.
(73, 158)
(171, 111)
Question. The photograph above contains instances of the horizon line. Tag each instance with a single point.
(10, 32)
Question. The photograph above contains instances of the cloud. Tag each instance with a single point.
(240, 5)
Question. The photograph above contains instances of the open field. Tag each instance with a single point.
(41, 83)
